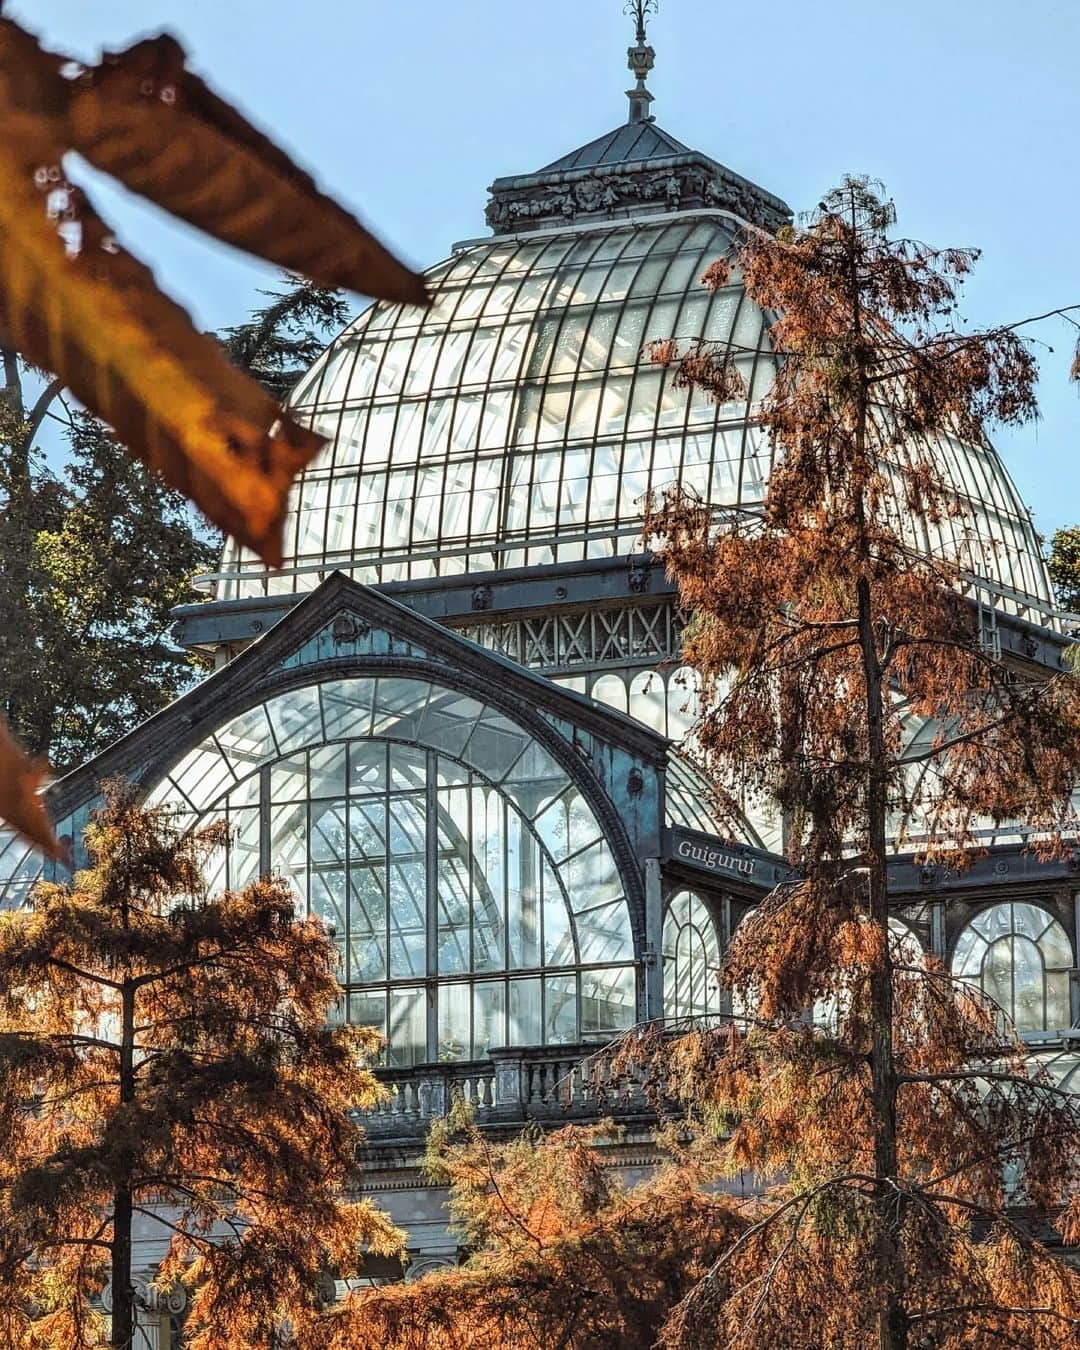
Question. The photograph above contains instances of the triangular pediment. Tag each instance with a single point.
(340, 627)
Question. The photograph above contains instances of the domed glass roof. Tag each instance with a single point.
(518, 422)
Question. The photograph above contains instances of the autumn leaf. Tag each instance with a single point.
(143, 117)
(74, 303)
(21, 803)
(85, 308)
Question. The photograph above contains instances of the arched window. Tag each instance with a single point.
(1020, 956)
(683, 701)
(611, 689)
(648, 700)
(473, 897)
(691, 953)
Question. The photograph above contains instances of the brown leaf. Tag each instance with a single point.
(146, 119)
(21, 803)
(75, 303)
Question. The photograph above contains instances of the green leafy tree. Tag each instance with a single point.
(1065, 567)
(93, 558)
(95, 555)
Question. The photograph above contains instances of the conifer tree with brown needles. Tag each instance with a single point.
(165, 1058)
(903, 1157)
(846, 684)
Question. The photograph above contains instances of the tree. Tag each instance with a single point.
(74, 302)
(902, 1153)
(1065, 566)
(167, 1055)
(92, 562)
(94, 558)
(282, 339)
(560, 1254)
(825, 641)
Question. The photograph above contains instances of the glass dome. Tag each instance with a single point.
(518, 422)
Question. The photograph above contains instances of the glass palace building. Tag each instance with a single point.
(452, 719)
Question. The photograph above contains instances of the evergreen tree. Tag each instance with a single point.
(165, 1058)
(95, 556)
(282, 338)
(1065, 567)
(907, 1161)
(561, 1255)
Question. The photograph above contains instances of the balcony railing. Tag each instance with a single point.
(512, 1086)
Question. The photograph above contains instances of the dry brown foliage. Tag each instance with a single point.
(165, 1058)
(562, 1254)
(901, 1156)
(21, 803)
(824, 644)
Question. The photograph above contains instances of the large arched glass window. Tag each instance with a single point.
(473, 897)
(1020, 956)
(691, 953)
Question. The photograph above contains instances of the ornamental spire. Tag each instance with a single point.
(640, 59)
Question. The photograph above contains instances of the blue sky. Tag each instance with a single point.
(968, 110)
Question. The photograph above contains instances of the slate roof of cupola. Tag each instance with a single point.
(636, 170)
(631, 141)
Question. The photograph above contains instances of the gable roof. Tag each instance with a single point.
(304, 638)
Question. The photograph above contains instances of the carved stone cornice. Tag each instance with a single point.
(636, 188)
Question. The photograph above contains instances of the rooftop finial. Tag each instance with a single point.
(640, 59)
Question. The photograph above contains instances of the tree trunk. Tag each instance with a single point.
(123, 1293)
(892, 1321)
(892, 1333)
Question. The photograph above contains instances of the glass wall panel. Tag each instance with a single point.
(691, 958)
(1020, 956)
(465, 880)
(531, 363)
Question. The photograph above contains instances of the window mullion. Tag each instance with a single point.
(431, 894)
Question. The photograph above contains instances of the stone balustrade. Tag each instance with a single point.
(510, 1087)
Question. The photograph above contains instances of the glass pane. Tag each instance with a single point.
(367, 923)
(489, 1017)
(604, 933)
(1058, 1015)
(408, 941)
(408, 1027)
(560, 1010)
(327, 771)
(367, 1008)
(244, 825)
(607, 1000)
(524, 1026)
(455, 1037)
(367, 767)
(288, 845)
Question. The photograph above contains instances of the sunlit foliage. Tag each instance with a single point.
(561, 1254)
(165, 1058)
(903, 1161)
(822, 638)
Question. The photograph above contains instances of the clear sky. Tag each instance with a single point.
(968, 110)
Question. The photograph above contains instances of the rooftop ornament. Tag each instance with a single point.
(641, 59)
